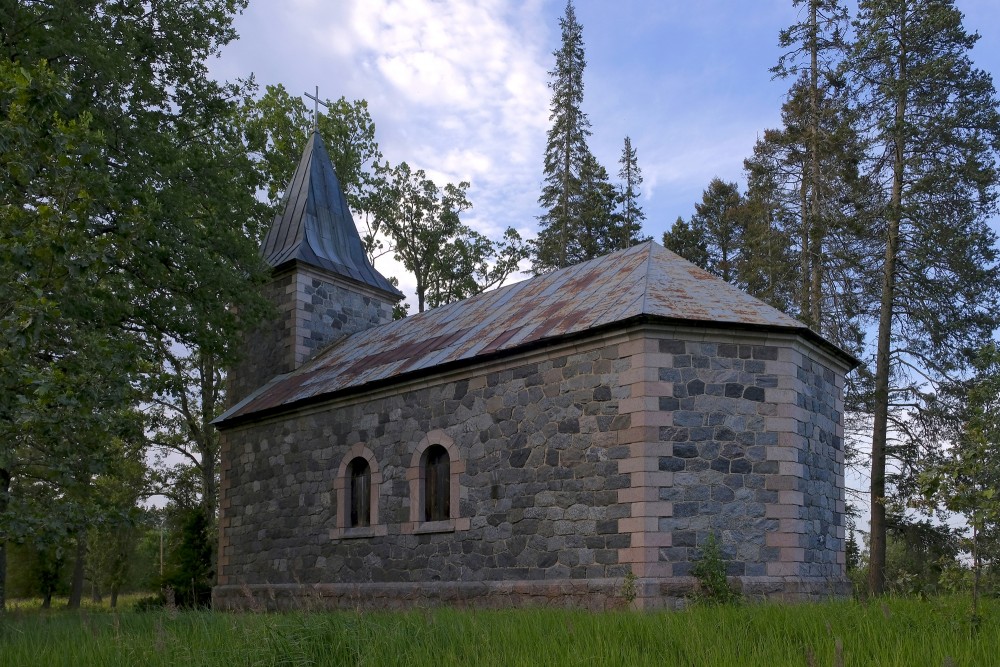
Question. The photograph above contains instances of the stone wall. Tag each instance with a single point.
(536, 453)
(756, 455)
(571, 467)
(313, 309)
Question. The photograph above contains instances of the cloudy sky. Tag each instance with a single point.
(458, 87)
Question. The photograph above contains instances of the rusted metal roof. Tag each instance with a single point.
(645, 280)
(315, 225)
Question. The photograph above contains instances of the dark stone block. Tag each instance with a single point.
(740, 466)
(754, 394)
(688, 418)
(734, 390)
(546, 559)
(765, 468)
(671, 463)
(669, 403)
(685, 450)
(461, 389)
(602, 393)
(746, 351)
(724, 434)
(695, 387)
(754, 366)
(700, 361)
(682, 361)
(727, 350)
(570, 425)
(683, 538)
(519, 457)
(686, 509)
(720, 465)
(722, 494)
(701, 434)
(765, 352)
(620, 541)
(672, 346)
(733, 481)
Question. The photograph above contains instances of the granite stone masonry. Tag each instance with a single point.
(573, 439)
(571, 467)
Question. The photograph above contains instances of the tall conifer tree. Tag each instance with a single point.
(631, 211)
(566, 150)
(933, 123)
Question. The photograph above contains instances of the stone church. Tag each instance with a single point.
(534, 444)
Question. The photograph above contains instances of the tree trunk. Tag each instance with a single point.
(876, 570)
(76, 587)
(816, 231)
(5, 477)
(114, 596)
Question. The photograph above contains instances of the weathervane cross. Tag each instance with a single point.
(316, 103)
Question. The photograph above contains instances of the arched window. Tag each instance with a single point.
(360, 476)
(437, 484)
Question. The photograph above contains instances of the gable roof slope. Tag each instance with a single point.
(645, 281)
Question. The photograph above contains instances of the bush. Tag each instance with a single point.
(710, 571)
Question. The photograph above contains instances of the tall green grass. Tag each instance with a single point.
(896, 632)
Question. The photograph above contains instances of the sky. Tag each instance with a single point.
(459, 87)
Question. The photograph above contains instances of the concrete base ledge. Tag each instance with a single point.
(589, 594)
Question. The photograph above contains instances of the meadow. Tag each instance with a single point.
(900, 631)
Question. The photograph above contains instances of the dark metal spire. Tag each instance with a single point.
(315, 227)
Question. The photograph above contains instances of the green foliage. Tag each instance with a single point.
(127, 213)
(687, 239)
(710, 571)
(936, 117)
(190, 572)
(448, 260)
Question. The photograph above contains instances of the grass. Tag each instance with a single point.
(895, 632)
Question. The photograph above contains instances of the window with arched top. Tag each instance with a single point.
(436, 493)
(356, 488)
(437, 484)
(359, 497)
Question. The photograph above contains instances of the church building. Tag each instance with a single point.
(574, 439)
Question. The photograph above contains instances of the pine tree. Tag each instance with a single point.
(687, 240)
(565, 152)
(933, 123)
(631, 211)
(719, 215)
(817, 47)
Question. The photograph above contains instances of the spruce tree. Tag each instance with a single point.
(687, 240)
(631, 211)
(933, 123)
(719, 215)
(565, 153)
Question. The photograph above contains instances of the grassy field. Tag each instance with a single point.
(895, 632)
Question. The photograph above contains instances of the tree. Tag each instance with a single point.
(449, 260)
(688, 240)
(720, 214)
(126, 223)
(565, 152)
(631, 211)
(932, 121)
(967, 478)
(276, 127)
(817, 48)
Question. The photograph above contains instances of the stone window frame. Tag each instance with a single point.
(341, 486)
(415, 476)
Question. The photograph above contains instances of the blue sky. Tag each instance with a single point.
(458, 87)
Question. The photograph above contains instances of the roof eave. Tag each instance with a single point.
(224, 422)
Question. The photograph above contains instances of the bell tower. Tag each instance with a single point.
(322, 283)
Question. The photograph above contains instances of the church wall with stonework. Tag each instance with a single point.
(314, 308)
(572, 465)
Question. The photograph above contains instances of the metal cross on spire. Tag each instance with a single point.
(316, 103)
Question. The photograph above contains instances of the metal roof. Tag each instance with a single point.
(645, 280)
(315, 225)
